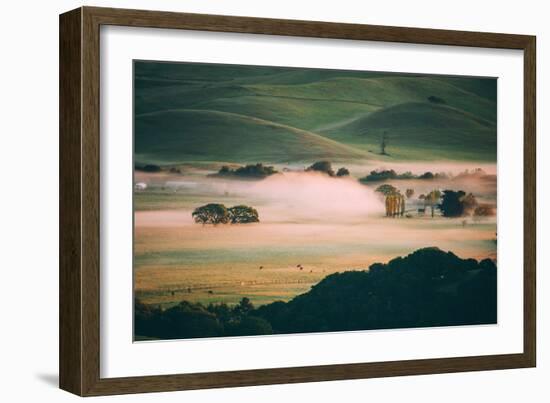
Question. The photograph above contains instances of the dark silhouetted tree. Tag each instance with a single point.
(451, 203)
(257, 171)
(436, 100)
(342, 172)
(458, 204)
(427, 175)
(149, 168)
(321, 166)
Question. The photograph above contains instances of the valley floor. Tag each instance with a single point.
(290, 250)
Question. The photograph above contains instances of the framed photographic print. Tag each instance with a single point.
(250, 201)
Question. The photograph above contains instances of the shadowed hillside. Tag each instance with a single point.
(426, 288)
(200, 135)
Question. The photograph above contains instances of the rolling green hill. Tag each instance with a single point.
(443, 131)
(199, 135)
(383, 92)
(337, 114)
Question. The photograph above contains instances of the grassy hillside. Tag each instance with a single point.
(199, 135)
(350, 107)
(442, 132)
(383, 92)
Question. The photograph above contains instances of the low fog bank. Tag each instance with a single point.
(293, 195)
(313, 195)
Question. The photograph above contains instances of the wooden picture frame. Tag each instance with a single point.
(79, 346)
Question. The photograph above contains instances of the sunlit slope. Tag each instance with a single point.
(337, 105)
(423, 131)
(382, 92)
(198, 135)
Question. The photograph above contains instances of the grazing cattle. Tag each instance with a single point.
(261, 267)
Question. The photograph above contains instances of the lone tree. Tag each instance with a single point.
(342, 172)
(436, 100)
(321, 166)
(383, 143)
(212, 213)
(243, 214)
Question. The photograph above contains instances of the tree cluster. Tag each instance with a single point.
(254, 171)
(326, 167)
(216, 213)
(193, 320)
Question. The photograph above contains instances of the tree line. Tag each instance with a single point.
(257, 171)
(451, 203)
(387, 174)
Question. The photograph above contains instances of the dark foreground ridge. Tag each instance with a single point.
(427, 288)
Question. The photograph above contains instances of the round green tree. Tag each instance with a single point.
(243, 215)
(212, 213)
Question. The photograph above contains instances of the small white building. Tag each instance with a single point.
(140, 186)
